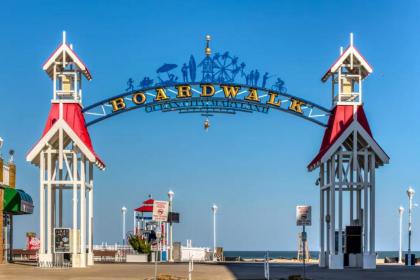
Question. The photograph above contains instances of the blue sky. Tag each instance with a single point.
(252, 165)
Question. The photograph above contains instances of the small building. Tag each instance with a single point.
(13, 202)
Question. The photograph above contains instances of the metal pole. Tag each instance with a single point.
(410, 193)
(267, 266)
(190, 267)
(304, 249)
(401, 211)
(123, 210)
(214, 208)
(171, 254)
(134, 223)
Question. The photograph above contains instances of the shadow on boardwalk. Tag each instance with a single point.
(255, 271)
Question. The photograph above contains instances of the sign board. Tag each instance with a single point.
(62, 240)
(154, 247)
(173, 217)
(303, 215)
(160, 211)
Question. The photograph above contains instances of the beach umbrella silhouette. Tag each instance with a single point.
(165, 68)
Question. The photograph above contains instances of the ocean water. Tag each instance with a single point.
(293, 254)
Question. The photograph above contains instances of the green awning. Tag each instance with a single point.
(17, 202)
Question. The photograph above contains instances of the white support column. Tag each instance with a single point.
(42, 205)
(82, 212)
(353, 178)
(328, 202)
(321, 218)
(372, 203)
(369, 256)
(340, 203)
(54, 197)
(332, 207)
(49, 206)
(60, 200)
(359, 196)
(75, 255)
(90, 222)
(365, 201)
(336, 260)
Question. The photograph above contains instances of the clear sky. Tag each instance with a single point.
(252, 165)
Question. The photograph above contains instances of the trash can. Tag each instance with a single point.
(410, 260)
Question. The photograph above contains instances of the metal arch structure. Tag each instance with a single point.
(183, 91)
(216, 104)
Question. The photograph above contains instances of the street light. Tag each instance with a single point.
(171, 195)
(400, 211)
(410, 193)
(123, 210)
(214, 209)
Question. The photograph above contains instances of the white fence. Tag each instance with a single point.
(195, 253)
(121, 252)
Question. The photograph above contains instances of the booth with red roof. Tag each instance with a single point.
(347, 160)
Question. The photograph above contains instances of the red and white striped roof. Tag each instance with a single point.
(344, 120)
(74, 127)
(147, 206)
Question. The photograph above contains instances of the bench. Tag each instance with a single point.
(25, 254)
(105, 255)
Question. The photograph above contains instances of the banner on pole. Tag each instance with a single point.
(160, 211)
(62, 240)
(303, 215)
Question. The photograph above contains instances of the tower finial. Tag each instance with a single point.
(208, 50)
(351, 39)
(64, 36)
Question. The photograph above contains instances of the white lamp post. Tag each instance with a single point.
(123, 210)
(400, 211)
(171, 255)
(214, 209)
(410, 193)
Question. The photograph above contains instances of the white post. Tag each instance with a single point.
(123, 210)
(332, 207)
(75, 258)
(372, 204)
(42, 203)
(49, 205)
(171, 255)
(90, 222)
(365, 203)
(134, 222)
(400, 211)
(340, 204)
(410, 193)
(214, 209)
(60, 201)
(321, 218)
(82, 212)
(328, 202)
(353, 178)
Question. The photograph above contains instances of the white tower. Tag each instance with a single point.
(347, 160)
(347, 74)
(65, 157)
